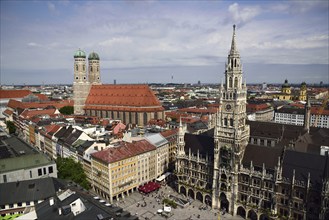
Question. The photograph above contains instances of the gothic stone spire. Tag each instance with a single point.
(234, 49)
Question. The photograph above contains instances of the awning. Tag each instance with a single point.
(149, 187)
(162, 177)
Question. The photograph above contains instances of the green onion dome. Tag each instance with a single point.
(79, 54)
(93, 56)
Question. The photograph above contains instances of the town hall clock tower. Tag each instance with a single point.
(231, 134)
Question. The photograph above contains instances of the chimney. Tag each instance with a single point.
(51, 201)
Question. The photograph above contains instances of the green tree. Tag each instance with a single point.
(69, 169)
(67, 110)
(11, 127)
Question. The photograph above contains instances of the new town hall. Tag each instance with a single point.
(253, 169)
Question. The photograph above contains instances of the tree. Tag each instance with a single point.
(69, 169)
(67, 110)
(11, 127)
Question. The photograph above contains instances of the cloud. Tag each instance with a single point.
(33, 44)
(134, 35)
(242, 15)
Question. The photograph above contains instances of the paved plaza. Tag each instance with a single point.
(146, 207)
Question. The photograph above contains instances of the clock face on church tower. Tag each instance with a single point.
(228, 107)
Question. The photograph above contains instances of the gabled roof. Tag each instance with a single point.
(11, 94)
(73, 137)
(27, 114)
(64, 132)
(122, 98)
(125, 150)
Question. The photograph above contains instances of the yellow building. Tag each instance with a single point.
(118, 171)
(288, 94)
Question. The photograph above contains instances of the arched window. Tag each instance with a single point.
(225, 121)
(91, 69)
(231, 121)
(231, 63)
(234, 62)
(236, 82)
(76, 67)
(230, 82)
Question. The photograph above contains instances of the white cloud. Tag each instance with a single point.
(33, 44)
(241, 15)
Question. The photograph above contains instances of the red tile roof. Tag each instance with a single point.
(10, 94)
(57, 104)
(169, 133)
(125, 150)
(319, 111)
(8, 112)
(122, 98)
(31, 113)
(42, 97)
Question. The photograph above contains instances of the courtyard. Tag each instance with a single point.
(150, 206)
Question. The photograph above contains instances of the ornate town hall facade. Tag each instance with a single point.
(258, 170)
(217, 153)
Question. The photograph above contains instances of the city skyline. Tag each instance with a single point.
(164, 42)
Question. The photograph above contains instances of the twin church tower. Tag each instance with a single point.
(82, 83)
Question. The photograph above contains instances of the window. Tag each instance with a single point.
(11, 205)
(40, 172)
(30, 173)
(4, 178)
(28, 203)
(19, 204)
(44, 171)
(50, 169)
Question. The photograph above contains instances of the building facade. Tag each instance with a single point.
(118, 171)
(135, 104)
(258, 170)
(82, 83)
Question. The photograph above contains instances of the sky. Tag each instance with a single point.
(164, 41)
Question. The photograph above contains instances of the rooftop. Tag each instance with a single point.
(122, 98)
(123, 151)
(29, 190)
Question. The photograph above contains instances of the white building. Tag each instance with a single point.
(291, 116)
